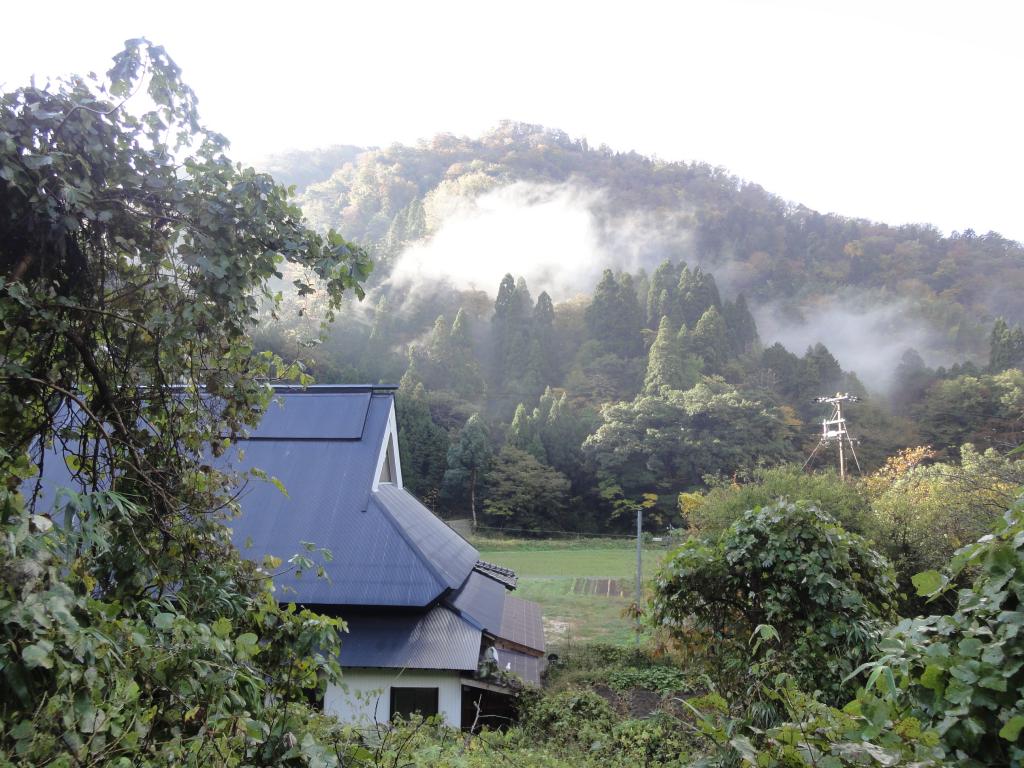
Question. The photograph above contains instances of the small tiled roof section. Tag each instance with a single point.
(522, 623)
(481, 601)
(499, 573)
(432, 639)
(522, 664)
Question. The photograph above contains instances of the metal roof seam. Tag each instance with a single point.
(400, 529)
(442, 583)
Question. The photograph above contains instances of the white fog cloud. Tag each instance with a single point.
(865, 336)
(559, 237)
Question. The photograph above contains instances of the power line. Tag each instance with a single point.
(833, 430)
(625, 537)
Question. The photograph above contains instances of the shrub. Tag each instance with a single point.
(921, 514)
(566, 714)
(963, 673)
(725, 503)
(827, 594)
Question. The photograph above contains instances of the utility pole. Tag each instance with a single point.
(639, 567)
(833, 430)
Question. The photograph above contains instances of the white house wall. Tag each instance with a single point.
(364, 696)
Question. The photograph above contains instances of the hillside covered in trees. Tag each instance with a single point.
(559, 409)
(803, 620)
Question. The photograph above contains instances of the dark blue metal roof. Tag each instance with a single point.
(323, 444)
(481, 601)
(433, 639)
(315, 416)
(387, 549)
(446, 553)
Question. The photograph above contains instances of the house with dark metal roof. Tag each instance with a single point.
(431, 628)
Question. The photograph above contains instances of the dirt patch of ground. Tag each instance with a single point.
(636, 703)
(641, 702)
(554, 629)
(601, 587)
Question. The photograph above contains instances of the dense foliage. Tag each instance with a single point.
(712, 513)
(826, 594)
(681, 319)
(961, 673)
(921, 512)
(135, 260)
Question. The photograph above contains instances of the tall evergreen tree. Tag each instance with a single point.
(438, 353)
(614, 318)
(741, 326)
(424, 444)
(1006, 347)
(502, 325)
(466, 379)
(662, 294)
(524, 433)
(469, 458)
(821, 372)
(785, 370)
(664, 361)
(544, 333)
(632, 320)
(711, 340)
(697, 293)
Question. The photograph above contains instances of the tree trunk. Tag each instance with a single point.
(472, 496)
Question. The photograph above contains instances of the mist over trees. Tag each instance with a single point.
(653, 379)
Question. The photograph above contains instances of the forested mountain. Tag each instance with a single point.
(652, 379)
(773, 249)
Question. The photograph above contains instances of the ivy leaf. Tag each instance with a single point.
(1012, 729)
(38, 655)
(928, 582)
(222, 627)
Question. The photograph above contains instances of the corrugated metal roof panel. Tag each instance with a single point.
(328, 503)
(323, 446)
(527, 667)
(481, 600)
(449, 555)
(434, 639)
(314, 416)
(522, 622)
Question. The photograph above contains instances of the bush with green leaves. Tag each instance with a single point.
(135, 261)
(963, 673)
(727, 500)
(814, 735)
(567, 714)
(923, 513)
(91, 676)
(828, 595)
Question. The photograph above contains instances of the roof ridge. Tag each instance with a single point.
(400, 529)
(328, 388)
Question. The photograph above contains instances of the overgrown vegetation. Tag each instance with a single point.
(134, 259)
(788, 571)
(137, 264)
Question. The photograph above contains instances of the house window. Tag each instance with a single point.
(387, 472)
(406, 701)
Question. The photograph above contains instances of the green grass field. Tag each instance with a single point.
(572, 582)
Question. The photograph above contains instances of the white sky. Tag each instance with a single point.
(901, 111)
